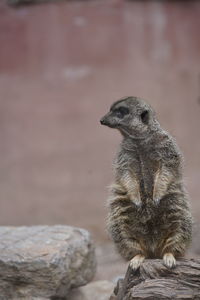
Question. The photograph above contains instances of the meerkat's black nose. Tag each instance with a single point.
(102, 121)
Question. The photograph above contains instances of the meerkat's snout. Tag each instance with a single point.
(103, 121)
(107, 120)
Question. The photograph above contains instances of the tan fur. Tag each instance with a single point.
(130, 183)
(162, 180)
(136, 261)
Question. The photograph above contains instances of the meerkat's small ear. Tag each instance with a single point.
(145, 116)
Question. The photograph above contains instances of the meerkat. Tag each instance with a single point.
(149, 214)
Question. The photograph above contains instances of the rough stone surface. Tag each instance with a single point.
(44, 261)
(97, 290)
(154, 281)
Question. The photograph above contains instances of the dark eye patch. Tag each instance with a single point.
(121, 111)
(145, 116)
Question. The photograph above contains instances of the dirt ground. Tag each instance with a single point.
(61, 66)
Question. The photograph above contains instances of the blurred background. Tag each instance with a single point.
(62, 64)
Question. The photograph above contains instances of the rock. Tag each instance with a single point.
(154, 281)
(44, 261)
(97, 290)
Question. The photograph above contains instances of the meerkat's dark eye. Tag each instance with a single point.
(121, 111)
(145, 116)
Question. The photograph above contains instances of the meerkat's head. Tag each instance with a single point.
(131, 115)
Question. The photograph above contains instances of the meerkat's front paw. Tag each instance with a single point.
(169, 260)
(136, 261)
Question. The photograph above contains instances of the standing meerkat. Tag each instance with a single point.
(149, 214)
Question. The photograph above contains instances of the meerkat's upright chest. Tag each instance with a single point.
(146, 171)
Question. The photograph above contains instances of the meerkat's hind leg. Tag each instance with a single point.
(136, 261)
(169, 260)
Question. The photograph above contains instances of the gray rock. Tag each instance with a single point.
(97, 290)
(44, 261)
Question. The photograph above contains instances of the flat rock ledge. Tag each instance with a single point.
(153, 281)
(44, 262)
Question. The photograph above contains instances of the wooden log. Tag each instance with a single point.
(153, 281)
